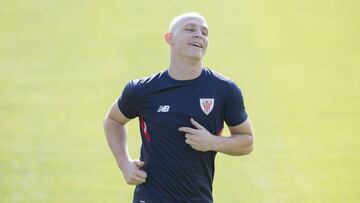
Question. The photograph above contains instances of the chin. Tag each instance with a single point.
(197, 56)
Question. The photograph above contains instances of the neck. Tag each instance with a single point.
(185, 69)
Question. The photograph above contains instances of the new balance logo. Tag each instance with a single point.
(163, 108)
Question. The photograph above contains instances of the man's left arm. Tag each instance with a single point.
(239, 143)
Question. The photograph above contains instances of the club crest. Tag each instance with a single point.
(207, 105)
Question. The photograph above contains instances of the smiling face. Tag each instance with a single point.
(188, 37)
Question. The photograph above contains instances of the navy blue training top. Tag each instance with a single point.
(176, 173)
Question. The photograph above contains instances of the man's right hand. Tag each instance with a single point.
(133, 173)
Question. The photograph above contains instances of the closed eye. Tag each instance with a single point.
(205, 32)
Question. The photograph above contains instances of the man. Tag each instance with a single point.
(181, 113)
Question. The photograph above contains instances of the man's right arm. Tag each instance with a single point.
(116, 135)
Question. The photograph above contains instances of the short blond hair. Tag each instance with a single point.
(177, 19)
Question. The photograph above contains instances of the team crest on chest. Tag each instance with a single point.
(207, 105)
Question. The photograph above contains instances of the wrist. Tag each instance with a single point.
(124, 164)
(215, 146)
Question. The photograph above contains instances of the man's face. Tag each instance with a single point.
(190, 38)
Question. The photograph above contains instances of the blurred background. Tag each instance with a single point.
(62, 63)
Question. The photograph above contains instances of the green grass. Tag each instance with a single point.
(62, 63)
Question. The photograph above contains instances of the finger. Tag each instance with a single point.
(139, 164)
(137, 180)
(196, 124)
(187, 130)
(189, 136)
(188, 141)
(141, 174)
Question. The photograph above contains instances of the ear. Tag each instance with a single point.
(168, 37)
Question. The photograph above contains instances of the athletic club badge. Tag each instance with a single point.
(207, 105)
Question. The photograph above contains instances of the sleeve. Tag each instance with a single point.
(234, 113)
(128, 102)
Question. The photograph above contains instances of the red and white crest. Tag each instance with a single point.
(207, 105)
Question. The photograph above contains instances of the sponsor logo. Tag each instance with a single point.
(207, 105)
(163, 108)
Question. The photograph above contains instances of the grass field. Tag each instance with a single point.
(62, 63)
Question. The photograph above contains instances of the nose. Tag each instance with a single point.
(198, 34)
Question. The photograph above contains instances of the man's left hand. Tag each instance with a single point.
(199, 138)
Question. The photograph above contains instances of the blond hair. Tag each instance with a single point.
(177, 19)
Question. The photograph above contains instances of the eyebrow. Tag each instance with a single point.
(193, 24)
